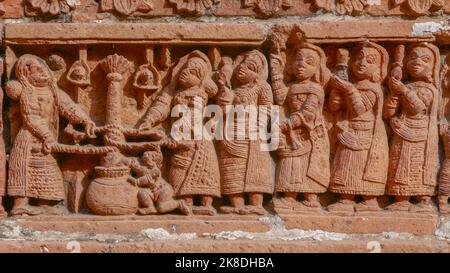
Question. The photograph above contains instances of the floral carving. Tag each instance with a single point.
(52, 7)
(127, 7)
(419, 7)
(351, 7)
(326, 5)
(268, 7)
(194, 7)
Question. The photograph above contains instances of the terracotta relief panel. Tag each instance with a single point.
(94, 127)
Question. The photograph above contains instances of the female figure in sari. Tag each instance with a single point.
(303, 167)
(244, 167)
(360, 165)
(193, 169)
(413, 109)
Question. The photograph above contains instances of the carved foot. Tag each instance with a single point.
(229, 210)
(25, 210)
(368, 206)
(313, 204)
(147, 211)
(249, 209)
(204, 210)
(285, 203)
(421, 207)
(343, 205)
(54, 210)
(399, 206)
(185, 208)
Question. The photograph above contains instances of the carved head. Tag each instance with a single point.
(194, 69)
(250, 67)
(34, 71)
(153, 158)
(305, 64)
(192, 73)
(308, 62)
(370, 62)
(366, 64)
(420, 63)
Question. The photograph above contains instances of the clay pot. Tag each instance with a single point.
(110, 193)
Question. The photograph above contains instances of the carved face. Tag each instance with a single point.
(245, 72)
(420, 62)
(192, 73)
(38, 74)
(306, 64)
(367, 63)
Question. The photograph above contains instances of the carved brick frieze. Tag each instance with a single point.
(92, 10)
(95, 118)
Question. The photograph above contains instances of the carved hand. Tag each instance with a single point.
(396, 86)
(133, 181)
(146, 125)
(284, 126)
(47, 146)
(340, 84)
(89, 128)
(397, 72)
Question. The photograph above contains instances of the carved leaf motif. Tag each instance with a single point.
(327, 5)
(145, 6)
(420, 6)
(351, 6)
(106, 5)
(53, 7)
(126, 7)
(116, 64)
(268, 7)
(194, 7)
(215, 57)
